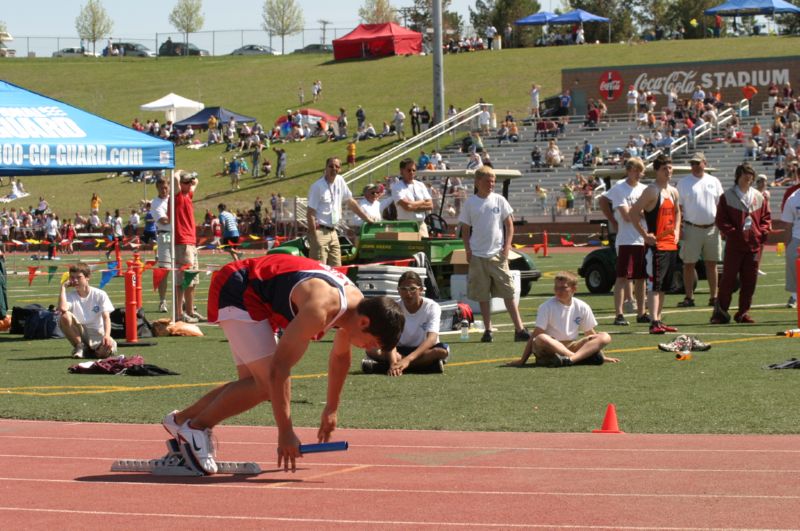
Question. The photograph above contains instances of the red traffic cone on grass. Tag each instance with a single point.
(610, 421)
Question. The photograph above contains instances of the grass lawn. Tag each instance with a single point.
(265, 86)
(725, 390)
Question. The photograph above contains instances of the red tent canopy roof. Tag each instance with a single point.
(377, 31)
(377, 40)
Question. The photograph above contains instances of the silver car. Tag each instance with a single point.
(254, 49)
(74, 52)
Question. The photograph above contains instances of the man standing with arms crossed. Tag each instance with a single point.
(325, 198)
(185, 246)
(699, 194)
(630, 244)
(659, 204)
(487, 228)
(411, 197)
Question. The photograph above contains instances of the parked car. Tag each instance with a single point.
(170, 48)
(315, 48)
(254, 49)
(74, 52)
(134, 49)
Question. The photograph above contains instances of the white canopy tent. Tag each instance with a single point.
(175, 107)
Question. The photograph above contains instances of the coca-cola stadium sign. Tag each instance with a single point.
(611, 83)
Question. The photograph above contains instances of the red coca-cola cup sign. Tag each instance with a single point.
(610, 85)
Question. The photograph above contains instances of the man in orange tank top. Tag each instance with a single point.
(659, 203)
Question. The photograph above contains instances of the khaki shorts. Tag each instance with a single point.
(698, 242)
(489, 277)
(186, 255)
(163, 252)
(92, 340)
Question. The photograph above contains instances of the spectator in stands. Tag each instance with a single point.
(419, 347)
(513, 131)
(85, 315)
(95, 203)
(552, 156)
(324, 212)
(699, 193)
(541, 196)
(632, 99)
(616, 205)
(536, 157)
(502, 133)
(487, 228)
(484, 120)
(565, 103)
(743, 218)
(559, 321)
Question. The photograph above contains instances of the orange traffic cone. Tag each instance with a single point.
(610, 421)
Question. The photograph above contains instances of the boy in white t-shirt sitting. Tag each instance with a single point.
(559, 321)
(419, 348)
(85, 315)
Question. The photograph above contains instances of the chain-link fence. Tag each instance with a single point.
(217, 42)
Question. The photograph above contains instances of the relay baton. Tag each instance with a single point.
(323, 447)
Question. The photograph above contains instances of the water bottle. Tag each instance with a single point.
(780, 248)
(464, 330)
(793, 332)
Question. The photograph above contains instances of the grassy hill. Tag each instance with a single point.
(266, 86)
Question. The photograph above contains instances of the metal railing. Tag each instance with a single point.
(383, 161)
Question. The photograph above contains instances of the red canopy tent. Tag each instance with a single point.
(377, 40)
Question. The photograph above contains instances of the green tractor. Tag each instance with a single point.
(397, 240)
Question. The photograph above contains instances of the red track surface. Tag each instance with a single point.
(56, 475)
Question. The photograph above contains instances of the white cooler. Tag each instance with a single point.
(458, 291)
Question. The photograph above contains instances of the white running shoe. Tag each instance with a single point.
(171, 425)
(791, 303)
(163, 307)
(198, 444)
(628, 307)
(77, 351)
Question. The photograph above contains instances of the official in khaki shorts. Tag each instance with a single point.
(487, 228)
(699, 194)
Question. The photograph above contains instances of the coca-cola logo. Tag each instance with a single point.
(610, 86)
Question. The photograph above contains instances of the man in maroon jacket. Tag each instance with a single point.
(743, 219)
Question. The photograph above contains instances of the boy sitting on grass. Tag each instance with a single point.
(559, 320)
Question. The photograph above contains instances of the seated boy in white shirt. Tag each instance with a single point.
(85, 315)
(559, 320)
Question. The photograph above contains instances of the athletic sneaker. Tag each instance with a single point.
(712, 302)
(720, 318)
(620, 321)
(189, 319)
(679, 344)
(743, 319)
(438, 367)
(628, 307)
(371, 366)
(667, 328)
(644, 318)
(686, 303)
(77, 351)
(487, 337)
(699, 346)
(199, 447)
(656, 328)
(792, 302)
(171, 425)
(761, 273)
(163, 307)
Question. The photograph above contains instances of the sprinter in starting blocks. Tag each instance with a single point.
(174, 463)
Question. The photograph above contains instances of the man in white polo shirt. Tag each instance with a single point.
(325, 198)
(699, 194)
(411, 197)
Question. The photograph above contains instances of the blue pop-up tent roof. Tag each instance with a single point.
(221, 113)
(537, 19)
(733, 8)
(576, 16)
(40, 136)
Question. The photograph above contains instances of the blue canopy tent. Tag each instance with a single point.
(222, 115)
(579, 16)
(542, 18)
(43, 136)
(733, 8)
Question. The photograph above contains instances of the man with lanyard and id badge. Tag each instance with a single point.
(325, 199)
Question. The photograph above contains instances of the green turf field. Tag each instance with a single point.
(265, 87)
(725, 390)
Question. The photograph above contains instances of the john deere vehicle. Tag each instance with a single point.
(397, 240)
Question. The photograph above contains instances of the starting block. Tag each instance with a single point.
(175, 464)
